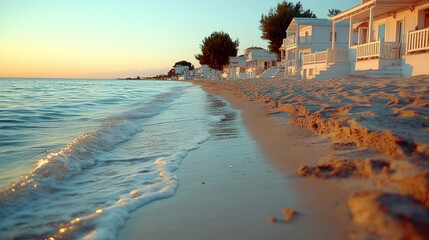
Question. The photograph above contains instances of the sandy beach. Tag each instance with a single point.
(348, 155)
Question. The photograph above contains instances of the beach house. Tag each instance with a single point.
(259, 62)
(392, 37)
(236, 69)
(306, 50)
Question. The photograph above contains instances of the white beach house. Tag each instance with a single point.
(392, 37)
(259, 62)
(236, 69)
(205, 72)
(306, 49)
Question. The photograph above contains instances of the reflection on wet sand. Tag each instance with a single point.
(222, 129)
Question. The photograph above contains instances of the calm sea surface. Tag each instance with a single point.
(77, 156)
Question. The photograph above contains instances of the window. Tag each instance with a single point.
(330, 36)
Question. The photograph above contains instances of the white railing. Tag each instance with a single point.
(379, 49)
(293, 40)
(305, 40)
(290, 40)
(328, 56)
(317, 57)
(390, 50)
(338, 55)
(418, 40)
(368, 50)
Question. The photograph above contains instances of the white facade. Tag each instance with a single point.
(205, 72)
(257, 61)
(254, 63)
(305, 48)
(236, 68)
(392, 37)
(180, 70)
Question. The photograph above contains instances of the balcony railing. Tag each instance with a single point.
(379, 49)
(317, 57)
(289, 40)
(418, 40)
(293, 40)
(328, 56)
(368, 50)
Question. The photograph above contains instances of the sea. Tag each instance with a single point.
(77, 156)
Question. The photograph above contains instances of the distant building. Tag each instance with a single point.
(257, 61)
(205, 72)
(236, 69)
(180, 70)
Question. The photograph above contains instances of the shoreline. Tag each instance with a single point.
(221, 196)
(288, 147)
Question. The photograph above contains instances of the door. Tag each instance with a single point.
(426, 19)
(381, 31)
(400, 31)
(363, 35)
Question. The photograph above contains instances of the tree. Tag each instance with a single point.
(171, 73)
(274, 25)
(185, 63)
(216, 50)
(332, 12)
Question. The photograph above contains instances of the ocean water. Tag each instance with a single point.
(77, 156)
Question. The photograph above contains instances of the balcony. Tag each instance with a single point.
(418, 41)
(292, 41)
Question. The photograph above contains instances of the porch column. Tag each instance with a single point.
(351, 32)
(333, 35)
(297, 47)
(286, 62)
(371, 25)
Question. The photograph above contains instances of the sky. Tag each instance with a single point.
(124, 38)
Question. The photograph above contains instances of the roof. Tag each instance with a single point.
(381, 8)
(311, 22)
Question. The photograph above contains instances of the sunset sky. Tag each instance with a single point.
(124, 38)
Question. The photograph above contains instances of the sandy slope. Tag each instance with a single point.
(379, 129)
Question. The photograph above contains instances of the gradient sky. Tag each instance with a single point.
(124, 38)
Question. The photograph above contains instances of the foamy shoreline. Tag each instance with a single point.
(379, 144)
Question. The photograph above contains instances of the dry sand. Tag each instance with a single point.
(378, 157)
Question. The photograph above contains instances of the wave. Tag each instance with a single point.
(81, 153)
(88, 188)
